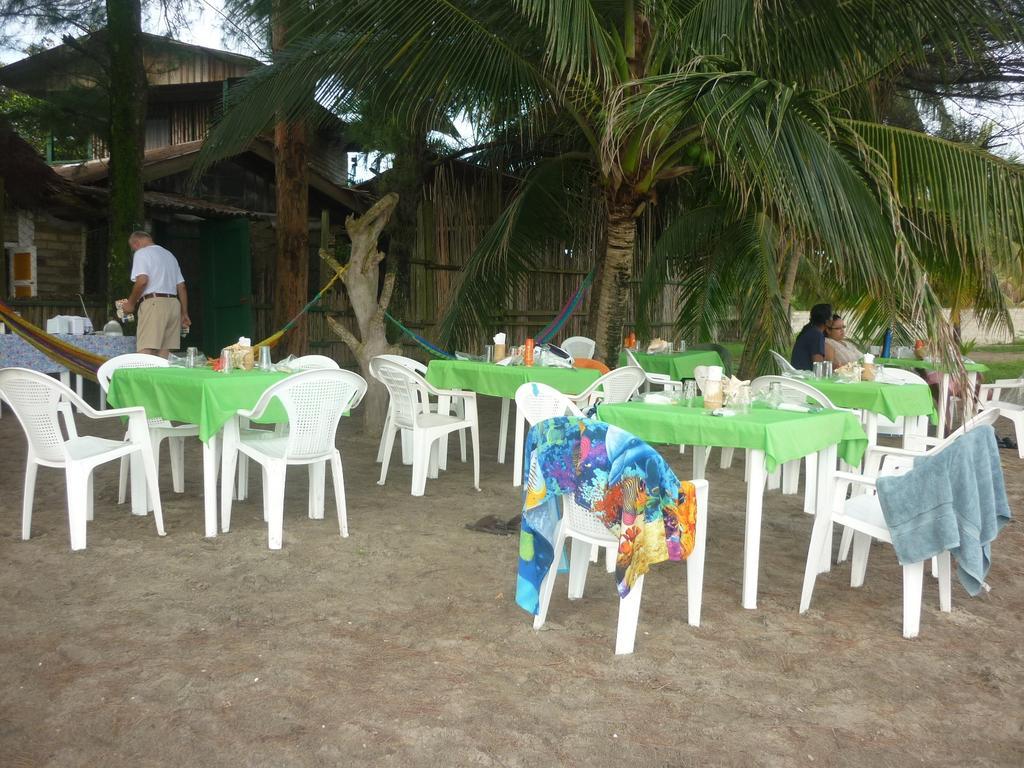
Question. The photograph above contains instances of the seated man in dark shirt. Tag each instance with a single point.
(810, 343)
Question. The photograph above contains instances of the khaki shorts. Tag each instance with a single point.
(159, 324)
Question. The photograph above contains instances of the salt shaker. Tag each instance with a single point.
(265, 364)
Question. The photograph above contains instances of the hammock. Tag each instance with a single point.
(543, 337)
(273, 338)
(75, 359)
(431, 349)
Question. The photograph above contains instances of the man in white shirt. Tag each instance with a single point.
(160, 295)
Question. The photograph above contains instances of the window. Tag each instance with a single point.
(23, 271)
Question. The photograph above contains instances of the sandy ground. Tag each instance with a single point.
(402, 645)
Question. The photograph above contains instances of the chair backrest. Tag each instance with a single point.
(314, 363)
(537, 402)
(700, 375)
(315, 401)
(618, 385)
(131, 360)
(793, 391)
(724, 354)
(895, 375)
(579, 346)
(36, 399)
(408, 390)
(408, 362)
(784, 365)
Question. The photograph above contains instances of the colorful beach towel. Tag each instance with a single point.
(618, 476)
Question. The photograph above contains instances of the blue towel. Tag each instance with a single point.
(955, 500)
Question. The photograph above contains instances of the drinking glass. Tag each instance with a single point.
(265, 363)
(774, 395)
(741, 400)
(689, 393)
(225, 361)
(682, 345)
(190, 357)
(489, 353)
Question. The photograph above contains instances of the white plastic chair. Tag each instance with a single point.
(579, 346)
(862, 514)
(315, 401)
(410, 409)
(538, 402)
(587, 531)
(302, 363)
(784, 365)
(876, 454)
(616, 386)
(991, 397)
(314, 363)
(159, 429)
(421, 369)
(663, 380)
(36, 399)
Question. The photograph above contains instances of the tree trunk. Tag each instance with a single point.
(127, 138)
(291, 289)
(612, 281)
(362, 280)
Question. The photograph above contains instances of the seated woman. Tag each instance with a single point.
(838, 350)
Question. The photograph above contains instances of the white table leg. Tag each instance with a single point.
(210, 467)
(700, 461)
(78, 385)
(503, 430)
(752, 536)
(517, 464)
(825, 479)
(943, 401)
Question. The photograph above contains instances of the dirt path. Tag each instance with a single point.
(402, 645)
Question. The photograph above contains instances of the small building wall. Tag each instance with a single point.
(60, 256)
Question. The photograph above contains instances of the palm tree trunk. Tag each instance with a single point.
(612, 281)
(291, 176)
(127, 138)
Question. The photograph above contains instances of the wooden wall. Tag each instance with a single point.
(453, 219)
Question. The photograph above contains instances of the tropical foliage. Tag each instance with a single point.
(748, 138)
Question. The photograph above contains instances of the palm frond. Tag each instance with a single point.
(545, 209)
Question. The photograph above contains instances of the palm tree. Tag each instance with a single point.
(753, 117)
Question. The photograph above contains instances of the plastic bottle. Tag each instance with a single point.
(887, 343)
(528, 353)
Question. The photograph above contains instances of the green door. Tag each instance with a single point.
(227, 282)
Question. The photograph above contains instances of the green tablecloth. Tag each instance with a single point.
(891, 400)
(194, 395)
(678, 365)
(504, 380)
(927, 365)
(782, 435)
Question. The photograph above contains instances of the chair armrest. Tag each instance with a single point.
(463, 394)
(134, 410)
(852, 477)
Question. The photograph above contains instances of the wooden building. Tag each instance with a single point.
(221, 231)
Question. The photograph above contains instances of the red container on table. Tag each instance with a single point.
(528, 352)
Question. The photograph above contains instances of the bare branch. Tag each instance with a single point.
(346, 335)
(385, 294)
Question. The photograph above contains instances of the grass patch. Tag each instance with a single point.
(1017, 346)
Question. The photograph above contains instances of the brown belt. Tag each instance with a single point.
(157, 296)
